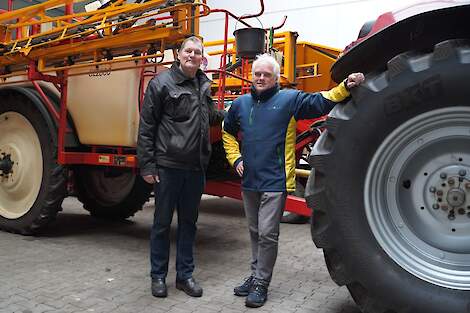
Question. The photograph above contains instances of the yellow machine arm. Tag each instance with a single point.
(86, 38)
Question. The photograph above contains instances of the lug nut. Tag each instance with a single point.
(451, 216)
(443, 175)
(462, 172)
(451, 181)
(435, 206)
(439, 193)
(433, 189)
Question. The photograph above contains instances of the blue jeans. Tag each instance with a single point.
(180, 189)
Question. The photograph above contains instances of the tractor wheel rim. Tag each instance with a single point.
(20, 187)
(409, 201)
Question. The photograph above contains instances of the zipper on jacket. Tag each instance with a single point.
(250, 118)
(201, 130)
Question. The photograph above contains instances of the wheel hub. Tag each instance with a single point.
(6, 164)
(449, 193)
(455, 197)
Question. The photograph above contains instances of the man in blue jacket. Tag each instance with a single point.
(267, 119)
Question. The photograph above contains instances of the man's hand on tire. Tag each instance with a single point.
(354, 79)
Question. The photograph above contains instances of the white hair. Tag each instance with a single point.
(267, 58)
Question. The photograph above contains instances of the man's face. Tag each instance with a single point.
(190, 56)
(263, 76)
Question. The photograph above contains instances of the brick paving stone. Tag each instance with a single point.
(81, 264)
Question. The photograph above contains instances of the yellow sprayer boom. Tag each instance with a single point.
(135, 30)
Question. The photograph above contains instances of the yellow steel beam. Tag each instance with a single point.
(141, 37)
(31, 11)
(302, 173)
(185, 15)
(93, 17)
(218, 42)
(97, 64)
(289, 56)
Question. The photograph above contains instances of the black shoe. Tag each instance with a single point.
(257, 296)
(244, 288)
(159, 288)
(190, 287)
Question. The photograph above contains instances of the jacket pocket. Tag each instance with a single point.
(180, 105)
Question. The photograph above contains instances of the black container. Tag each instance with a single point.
(250, 42)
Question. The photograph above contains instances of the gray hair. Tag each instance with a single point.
(194, 39)
(267, 58)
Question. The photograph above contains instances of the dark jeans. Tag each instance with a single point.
(180, 189)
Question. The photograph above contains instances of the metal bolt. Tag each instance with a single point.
(433, 189)
(462, 172)
(439, 193)
(444, 207)
(451, 181)
(435, 206)
(461, 211)
(451, 216)
(443, 175)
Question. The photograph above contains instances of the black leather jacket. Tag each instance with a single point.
(175, 121)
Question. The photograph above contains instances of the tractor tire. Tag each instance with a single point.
(111, 193)
(33, 184)
(391, 193)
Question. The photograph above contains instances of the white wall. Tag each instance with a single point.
(329, 22)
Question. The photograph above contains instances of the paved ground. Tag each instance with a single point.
(86, 265)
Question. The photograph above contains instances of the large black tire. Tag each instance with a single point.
(32, 194)
(111, 193)
(385, 234)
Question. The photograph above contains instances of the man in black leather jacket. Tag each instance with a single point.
(173, 151)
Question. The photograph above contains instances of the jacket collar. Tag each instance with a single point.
(180, 78)
(265, 95)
